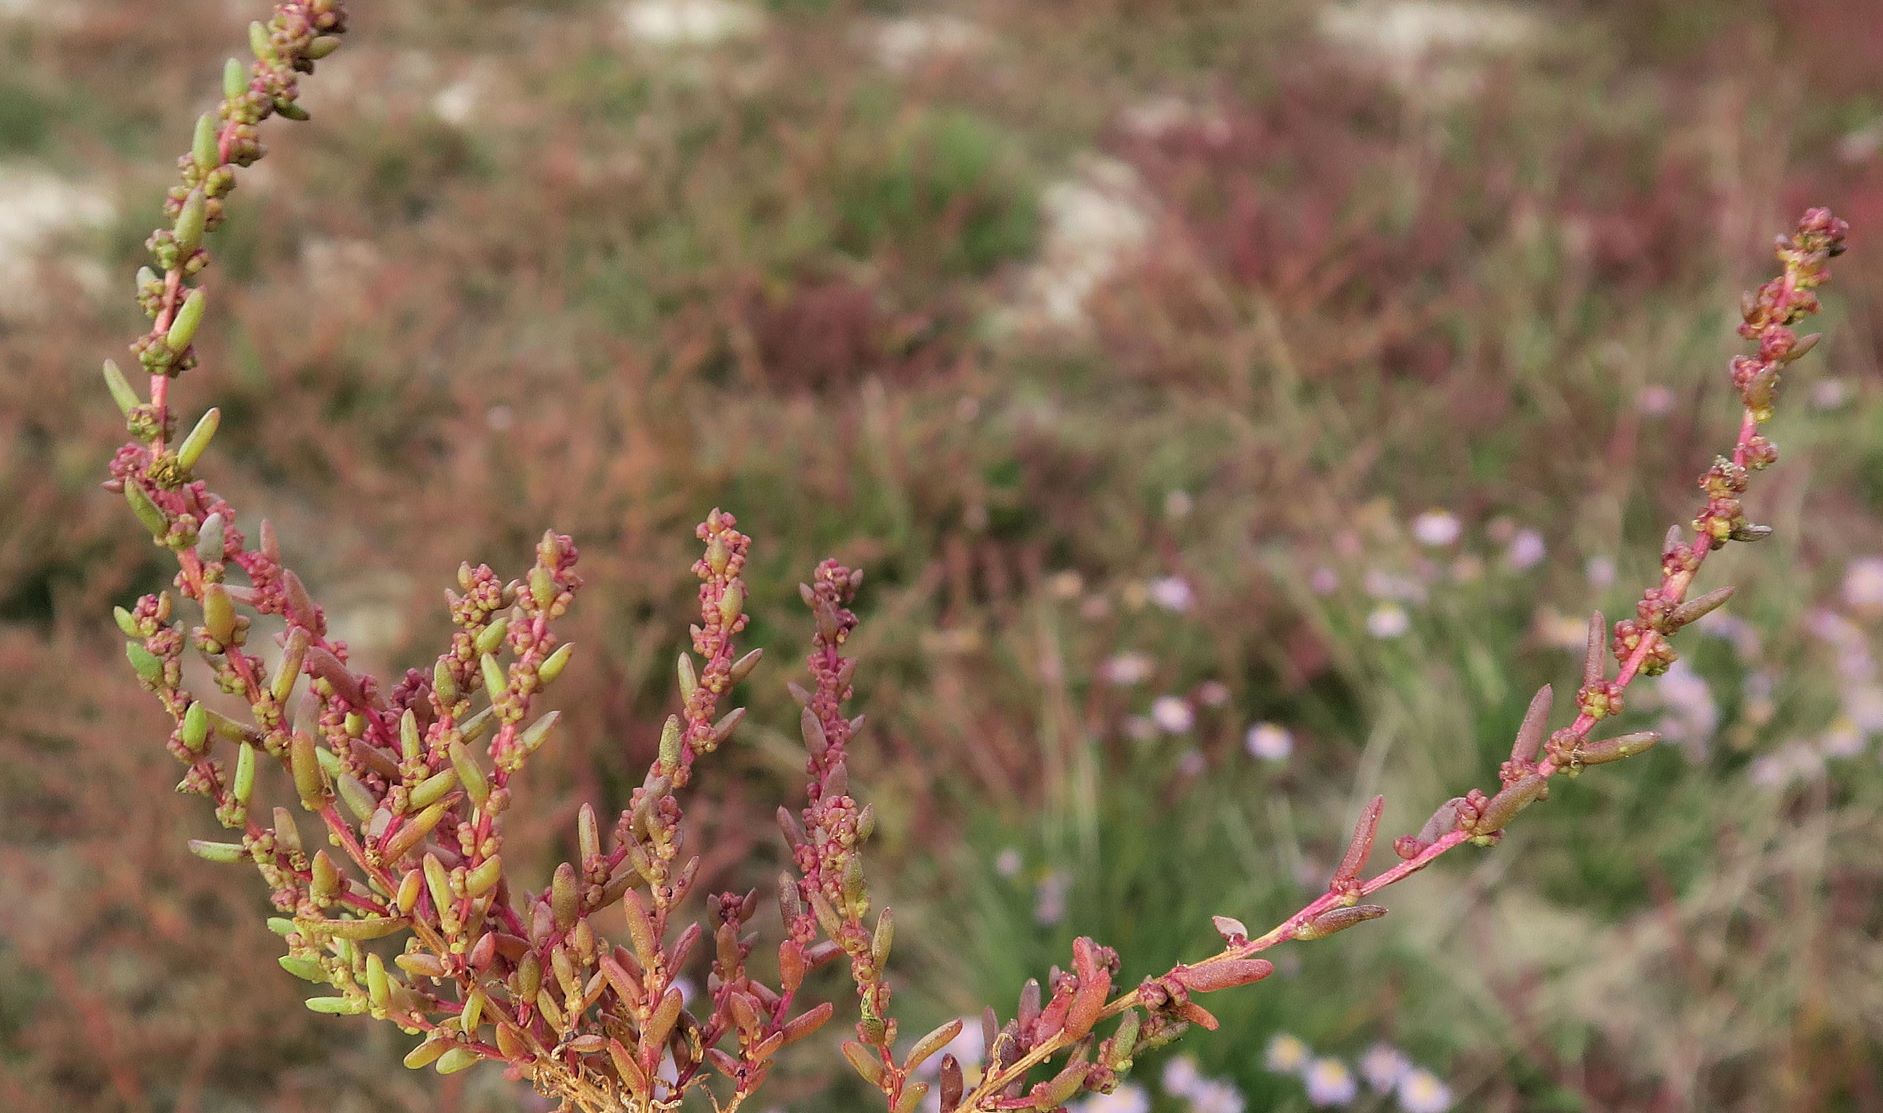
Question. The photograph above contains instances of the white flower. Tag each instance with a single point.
(1212, 693)
(1127, 1098)
(1286, 1054)
(1173, 714)
(1178, 504)
(1600, 570)
(1526, 550)
(1691, 714)
(1388, 620)
(1843, 739)
(1269, 742)
(1330, 1082)
(1214, 1096)
(1008, 862)
(1420, 1091)
(1655, 400)
(1383, 1066)
(1436, 529)
(1173, 593)
(1126, 669)
(1181, 1076)
(1323, 581)
(687, 22)
(1863, 704)
(1863, 584)
(1049, 899)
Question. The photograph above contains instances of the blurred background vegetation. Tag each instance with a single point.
(1176, 368)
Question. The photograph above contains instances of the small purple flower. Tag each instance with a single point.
(1383, 1066)
(1008, 863)
(1330, 1083)
(1173, 593)
(1526, 550)
(1269, 742)
(1127, 1098)
(1181, 1076)
(1387, 621)
(1420, 1091)
(1049, 899)
(1436, 529)
(1212, 1095)
(1863, 584)
(1125, 669)
(1286, 1054)
(1654, 400)
(1173, 714)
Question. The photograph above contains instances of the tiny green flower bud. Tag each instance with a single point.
(147, 511)
(689, 681)
(538, 732)
(432, 789)
(310, 781)
(470, 774)
(542, 588)
(883, 938)
(670, 745)
(484, 878)
(359, 799)
(223, 852)
(438, 884)
(188, 231)
(148, 665)
(731, 605)
(378, 985)
(564, 896)
(490, 637)
(293, 652)
(743, 667)
(219, 613)
(495, 682)
(444, 683)
(209, 539)
(195, 732)
(191, 450)
(864, 1062)
(242, 785)
(414, 832)
(204, 148)
(305, 967)
(552, 666)
(928, 1045)
(258, 42)
(729, 722)
(120, 389)
(588, 833)
(337, 1006)
(407, 896)
(234, 78)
